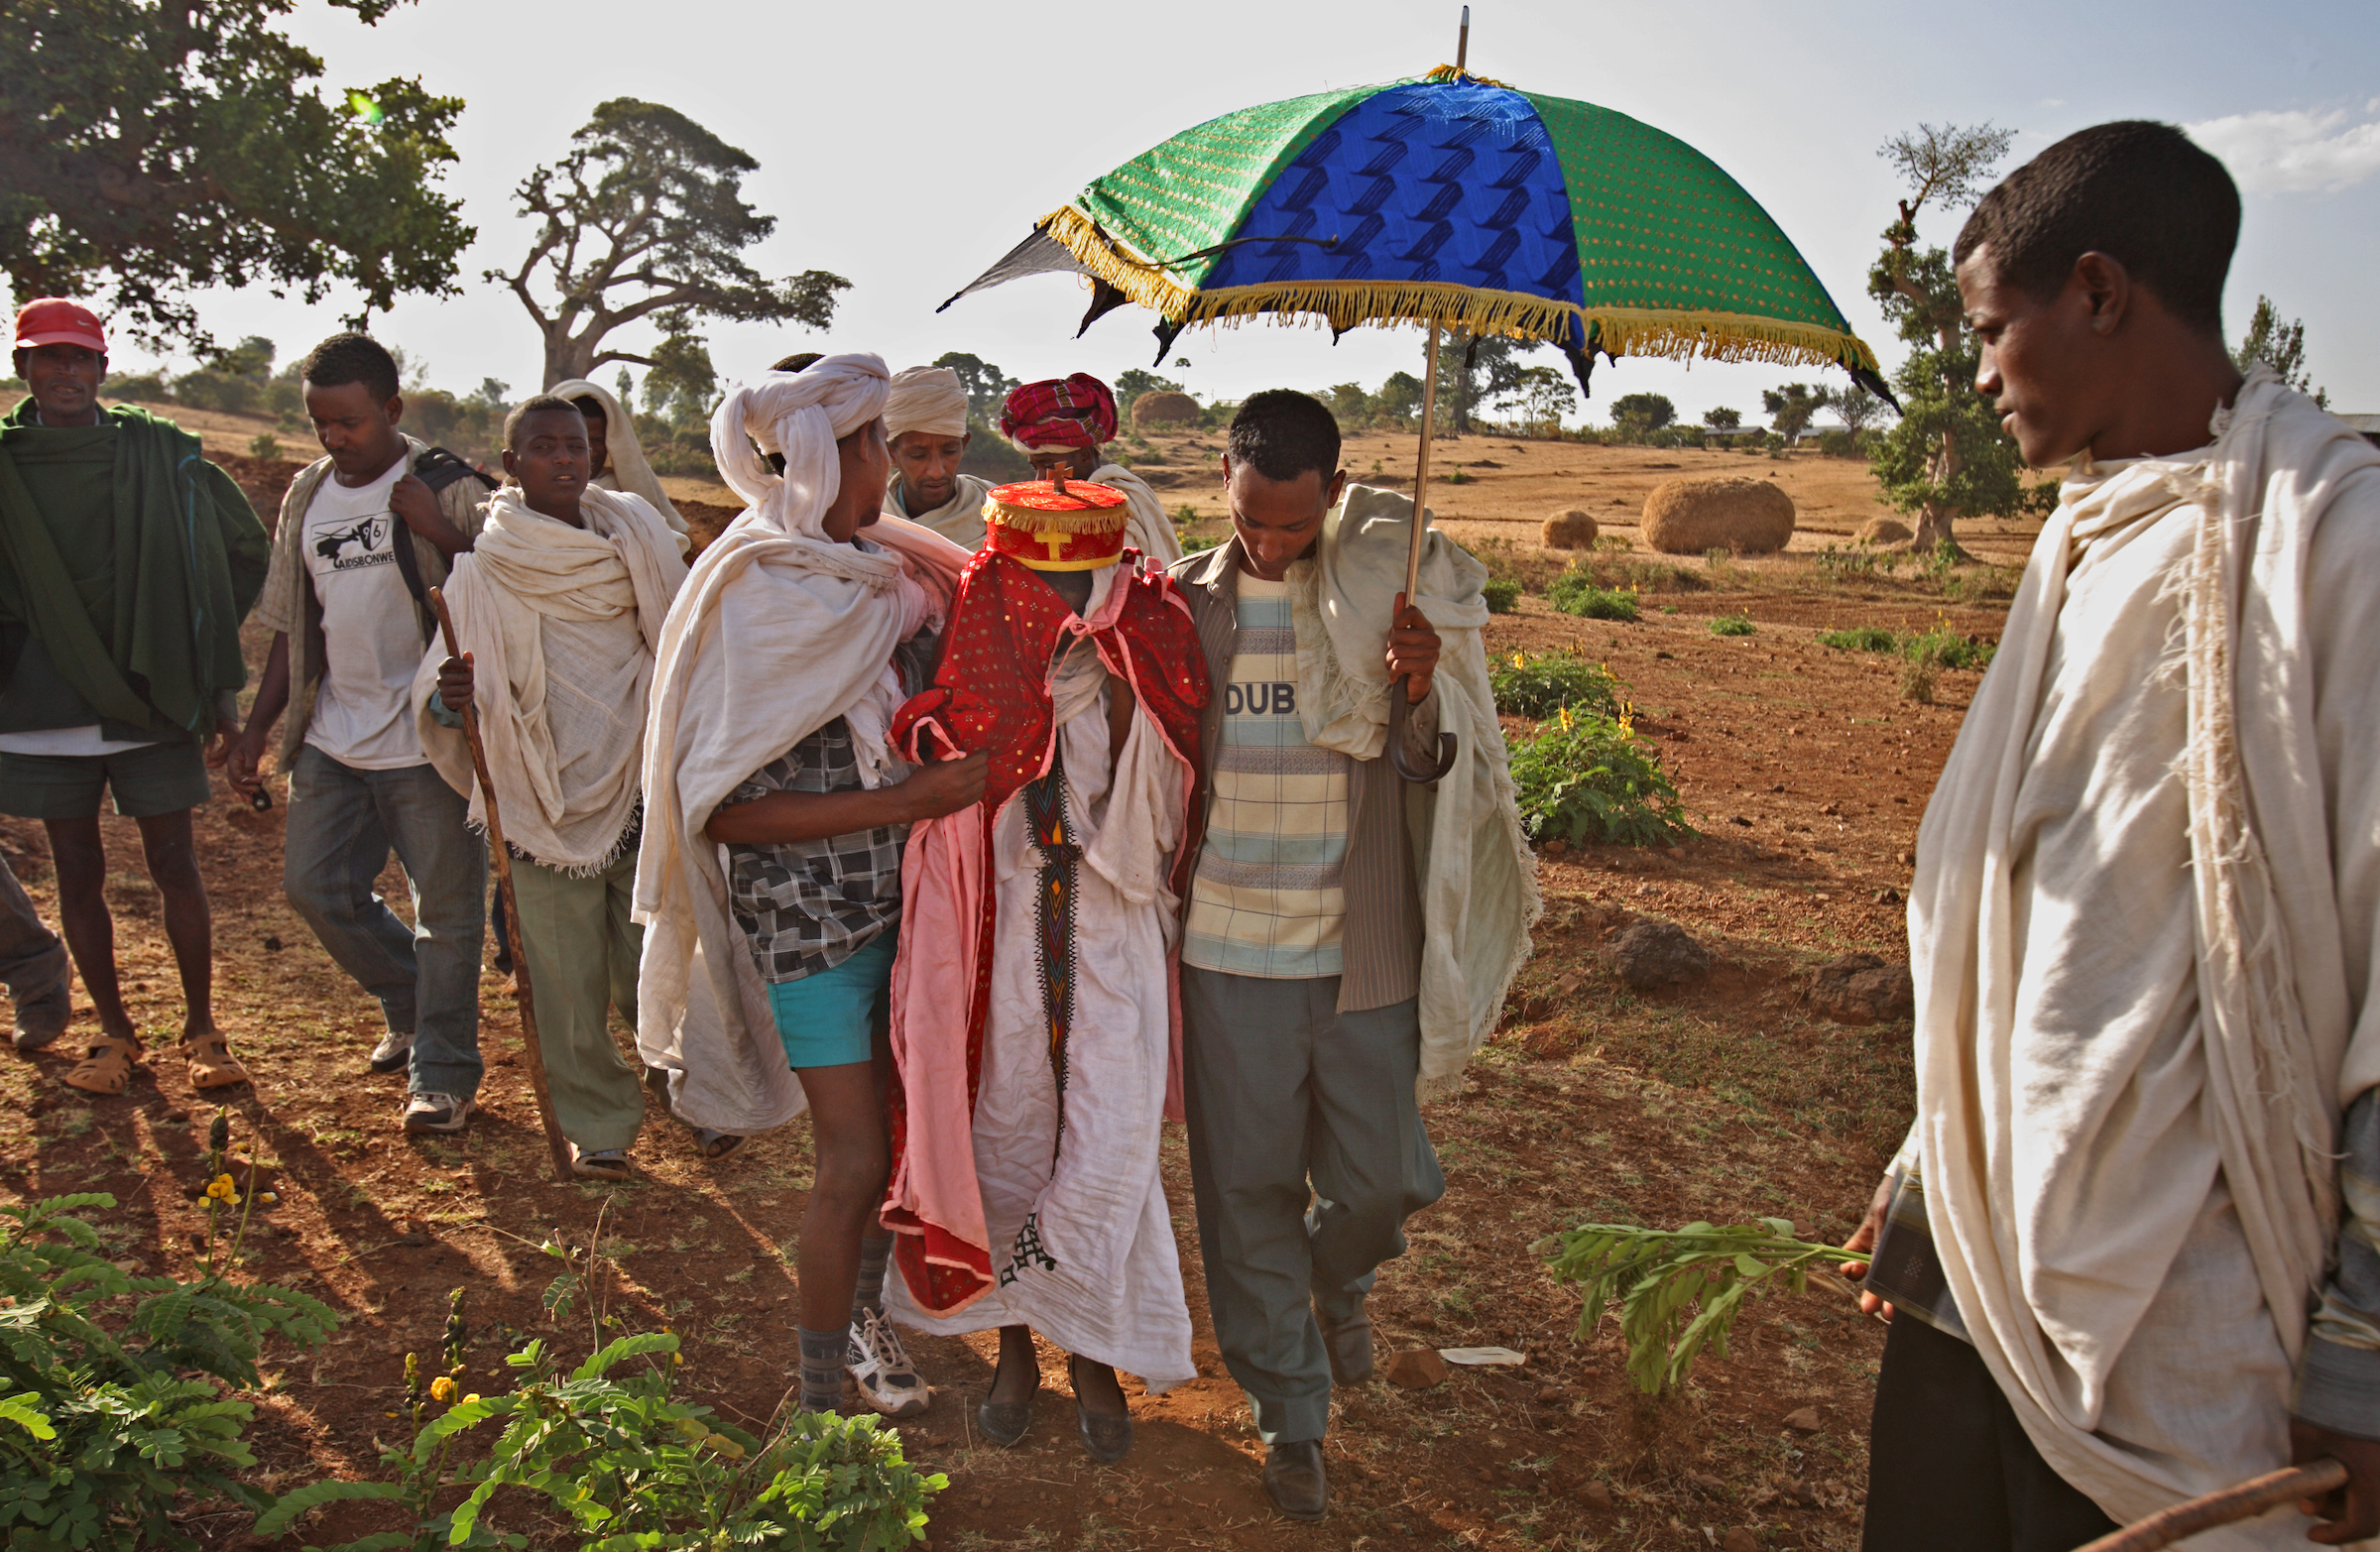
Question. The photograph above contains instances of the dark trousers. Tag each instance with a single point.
(1950, 1468)
(1307, 1155)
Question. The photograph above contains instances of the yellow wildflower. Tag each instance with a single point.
(222, 1189)
(1566, 719)
(441, 1389)
(473, 1396)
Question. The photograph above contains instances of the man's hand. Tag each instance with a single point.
(454, 682)
(417, 504)
(217, 747)
(946, 785)
(2352, 1513)
(1864, 1239)
(1412, 649)
(242, 760)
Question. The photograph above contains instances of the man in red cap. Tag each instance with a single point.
(122, 644)
(1062, 423)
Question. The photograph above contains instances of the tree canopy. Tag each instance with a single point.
(986, 385)
(2281, 346)
(1791, 407)
(647, 216)
(1641, 413)
(149, 149)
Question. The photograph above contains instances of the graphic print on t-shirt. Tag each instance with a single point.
(1266, 900)
(371, 632)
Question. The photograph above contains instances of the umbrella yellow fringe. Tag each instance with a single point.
(1679, 334)
(1103, 520)
(1440, 74)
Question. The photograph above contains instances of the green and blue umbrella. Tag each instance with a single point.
(1448, 200)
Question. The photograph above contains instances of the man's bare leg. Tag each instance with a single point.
(172, 852)
(80, 858)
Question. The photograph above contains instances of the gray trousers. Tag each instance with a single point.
(343, 824)
(1307, 1154)
(579, 951)
(32, 959)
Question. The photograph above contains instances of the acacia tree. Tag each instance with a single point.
(647, 215)
(1946, 457)
(155, 148)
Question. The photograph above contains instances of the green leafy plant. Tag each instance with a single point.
(1732, 625)
(1542, 686)
(1502, 594)
(1576, 592)
(1681, 1289)
(1943, 648)
(635, 1469)
(1586, 776)
(116, 1387)
(1859, 639)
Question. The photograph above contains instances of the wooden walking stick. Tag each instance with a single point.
(2244, 1502)
(512, 910)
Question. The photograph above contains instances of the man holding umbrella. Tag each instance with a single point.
(1314, 1016)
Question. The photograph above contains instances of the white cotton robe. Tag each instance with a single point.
(1111, 1290)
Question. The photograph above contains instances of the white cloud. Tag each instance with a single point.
(2294, 152)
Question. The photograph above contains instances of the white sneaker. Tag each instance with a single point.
(435, 1113)
(880, 1366)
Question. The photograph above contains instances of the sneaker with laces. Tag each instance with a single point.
(439, 1112)
(395, 1050)
(880, 1366)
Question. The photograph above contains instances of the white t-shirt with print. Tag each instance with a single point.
(371, 631)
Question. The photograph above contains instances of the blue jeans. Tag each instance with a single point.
(343, 824)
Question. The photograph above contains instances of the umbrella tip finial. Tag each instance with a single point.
(1057, 479)
(1463, 41)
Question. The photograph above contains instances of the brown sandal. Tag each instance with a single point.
(211, 1063)
(106, 1065)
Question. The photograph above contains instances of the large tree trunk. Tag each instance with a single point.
(1934, 521)
(567, 358)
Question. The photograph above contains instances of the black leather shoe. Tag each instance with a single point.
(1349, 1343)
(1005, 1422)
(1294, 1482)
(1107, 1436)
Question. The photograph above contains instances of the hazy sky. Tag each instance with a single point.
(904, 147)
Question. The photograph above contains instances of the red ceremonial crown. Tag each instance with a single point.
(1057, 524)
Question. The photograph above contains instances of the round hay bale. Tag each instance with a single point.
(1163, 409)
(1691, 516)
(1884, 530)
(1573, 527)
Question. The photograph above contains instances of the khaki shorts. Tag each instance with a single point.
(156, 778)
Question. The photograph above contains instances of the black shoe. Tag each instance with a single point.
(1005, 1422)
(1349, 1344)
(1294, 1482)
(1107, 1436)
(41, 1019)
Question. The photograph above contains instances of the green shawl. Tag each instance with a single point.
(187, 560)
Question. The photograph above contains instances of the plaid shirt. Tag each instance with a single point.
(808, 906)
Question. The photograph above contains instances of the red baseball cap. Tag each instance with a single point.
(53, 320)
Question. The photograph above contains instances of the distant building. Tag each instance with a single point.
(2368, 424)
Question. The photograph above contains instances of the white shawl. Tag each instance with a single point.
(777, 630)
(2071, 1140)
(1478, 875)
(1149, 530)
(628, 470)
(563, 732)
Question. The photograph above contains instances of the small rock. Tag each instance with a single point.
(1905, 859)
(1598, 1494)
(1568, 985)
(1417, 1369)
(1741, 821)
(1738, 1540)
(1863, 989)
(272, 945)
(1888, 897)
(1659, 953)
(1800, 1493)
(1556, 847)
(1551, 1396)
(1705, 1483)
(1803, 1419)
(1485, 1475)
(1110, 1499)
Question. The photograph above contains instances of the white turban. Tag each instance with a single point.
(929, 400)
(799, 415)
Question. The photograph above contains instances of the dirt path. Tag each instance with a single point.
(1804, 769)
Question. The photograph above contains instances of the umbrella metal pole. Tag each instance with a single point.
(1400, 757)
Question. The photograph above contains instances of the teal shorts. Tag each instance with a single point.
(835, 1018)
(156, 778)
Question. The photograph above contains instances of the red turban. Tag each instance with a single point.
(1075, 412)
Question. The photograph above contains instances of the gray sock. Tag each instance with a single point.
(822, 1354)
(869, 1292)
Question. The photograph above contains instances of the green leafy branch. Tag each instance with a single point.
(1680, 1290)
